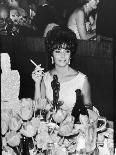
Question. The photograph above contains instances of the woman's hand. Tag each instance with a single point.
(37, 74)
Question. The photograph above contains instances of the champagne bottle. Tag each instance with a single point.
(79, 108)
(25, 149)
(31, 146)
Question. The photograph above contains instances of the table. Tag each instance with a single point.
(44, 133)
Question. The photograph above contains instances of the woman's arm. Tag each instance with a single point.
(86, 91)
(40, 90)
(40, 95)
(37, 76)
(37, 93)
(43, 89)
(81, 27)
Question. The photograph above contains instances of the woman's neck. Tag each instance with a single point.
(61, 71)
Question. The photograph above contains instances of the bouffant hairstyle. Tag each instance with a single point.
(60, 37)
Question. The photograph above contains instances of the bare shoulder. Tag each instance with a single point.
(86, 84)
(79, 12)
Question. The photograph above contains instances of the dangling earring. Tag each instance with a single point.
(52, 60)
(87, 5)
(69, 61)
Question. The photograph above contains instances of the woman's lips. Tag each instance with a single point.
(62, 60)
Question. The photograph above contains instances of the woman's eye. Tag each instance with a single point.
(57, 51)
(67, 51)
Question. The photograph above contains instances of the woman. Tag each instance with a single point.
(78, 20)
(61, 44)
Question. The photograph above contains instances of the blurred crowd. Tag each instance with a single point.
(26, 17)
(37, 17)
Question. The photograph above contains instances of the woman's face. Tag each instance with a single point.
(93, 4)
(14, 15)
(61, 57)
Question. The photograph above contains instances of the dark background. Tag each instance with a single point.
(106, 18)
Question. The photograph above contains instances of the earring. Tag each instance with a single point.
(52, 60)
(87, 5)
(69, 61)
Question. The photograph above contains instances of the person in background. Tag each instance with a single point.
(78, 20)
(61, 45)
(16, 11)
(16, 5)
(21, 18)
(8, 20)
(14, 15)
(45, 15)
(4, 14)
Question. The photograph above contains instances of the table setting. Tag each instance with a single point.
(42, 136)
(42, 127)
(29, 128)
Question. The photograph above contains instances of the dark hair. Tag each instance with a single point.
(59, 36)
(80, 3)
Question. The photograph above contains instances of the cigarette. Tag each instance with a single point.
(37, 65)
(33, 63)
